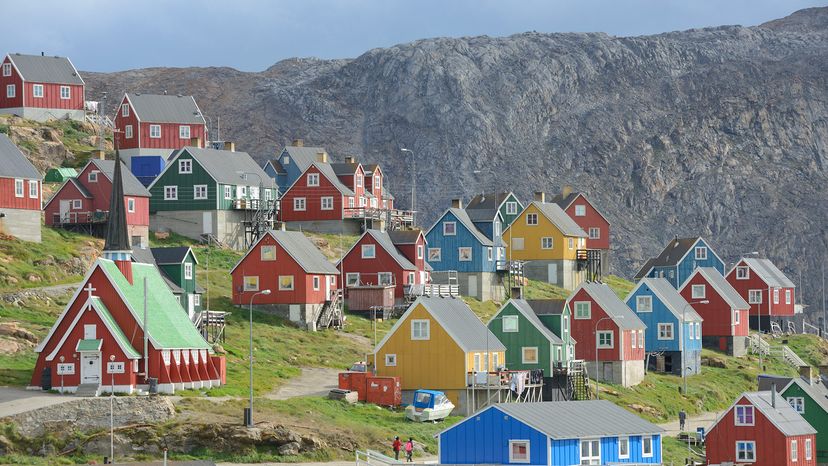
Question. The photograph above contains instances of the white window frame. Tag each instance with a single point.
(317, 283)
(7, 69)
(691, 330)
(644, 303)
(287, 288)
(93, 176)
(752, 451)
(700, 253)
(188, 271)
(267, 257)
(203, 191)
(184, 132)
(171, 193)
(604, 333)
(744, 409)
(518, 244)
(155, 131)
(511, 208)
(245, 286)
(524, 359)
(626, 441)
(512, 458)
(424, 326)
(313, 180)
(776, 296)
(755, 296)
(197, 299)
(736, 317)
(504, 328)
(446, 228)
(644, 452)
(641, 338)
(368, 251)
(580, 210)
(633, 336)
(594, 457)
(809, 450)
(594, 233)
(185, 166)
(698, 330)
(742, 272)
(128, 131)
(435, 254)
(420, 251)
(385, 278)
(794, 451)
(665, 328)
(391, 360)
(77, 204)
(489, 255)
(788, 296)
(19, 189)
(352, 279)
(326, 203)
(530, 217)
(460, 255)
(797, 403)
(549, 240)
(33, 189)
(35, 89)
(124, 110)
(67, 94)
(130, 205)
(300, 204)
(228, 191)
(698, 291)
(581, 316)
(11, 91)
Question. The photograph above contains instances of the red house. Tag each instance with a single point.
(82, 203)
(20, 193)
(381, 258)
(619, 339)
(591, 220)
(761, 429)
(725, 326)
(41, 88)
(302, 283)
(767, 290)
(375, 185)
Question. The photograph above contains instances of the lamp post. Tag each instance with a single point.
(111, 410)
(249, 411)
(597, 388)
(413, 181)
(683, 342)
(61, 375)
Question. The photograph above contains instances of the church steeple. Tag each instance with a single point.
(117, 247)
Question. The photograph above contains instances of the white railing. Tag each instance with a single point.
(374, 458)
(792, 358)
(810, 329)
(757, 344)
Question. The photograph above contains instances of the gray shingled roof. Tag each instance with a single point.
(154, 108)
(487, 201)
(45, 69)
(463, 218)
(722, 287)
(768, 272)
(13, 164)
(457, 318)
(644, 270)
(671, 298)
(384, 240)
(172, 255)
(547, 306)
(303, 157)
(405, 236)
(327, 170)
(344, 168)
(670, 255)
(783, 416)
(227, 167)
(529, 313)
(579, 419)
(482, 215)
(304, 252)
(621, 314)
(565, 201)
(132, 187)
(560, 219)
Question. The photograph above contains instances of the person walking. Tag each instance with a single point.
(397, 446)
(409, 450)
(682, 419)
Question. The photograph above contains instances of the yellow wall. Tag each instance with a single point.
(532, 235)
(501, 359)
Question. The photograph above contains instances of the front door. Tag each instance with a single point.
(91, 368)
(328, 287)
(607, 372)
(64, 210)
(473, 285)
(190, 305)
(206, 223)
(294, 313)
(553, 273)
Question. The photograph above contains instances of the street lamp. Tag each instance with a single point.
(683, 342)
(248, 415)
(61, 375)
(111, 410)
(597, 388)
(413, 181)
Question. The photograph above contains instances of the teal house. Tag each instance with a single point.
(506, 204)
(809, 397)
(178, 268)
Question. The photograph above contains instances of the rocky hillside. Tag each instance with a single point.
(720, 131)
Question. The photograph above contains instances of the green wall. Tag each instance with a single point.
(526, 336)
(508, 219)
(815, 416)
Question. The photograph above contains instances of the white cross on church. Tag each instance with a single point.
(89, 289)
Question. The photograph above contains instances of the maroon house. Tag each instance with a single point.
(20, 193)
(766, 289)
(41, 88)
(591, 220)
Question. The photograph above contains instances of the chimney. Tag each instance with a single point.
(230, 146)
(517, 292)
(806, 373)
(322, 156)
(283, 226)
(566, 191)
(298, 143)
(99, 154)
(773, 396)
(350, 159)
(823, 371)
(195, 142)
(540, 196)
(457, 203)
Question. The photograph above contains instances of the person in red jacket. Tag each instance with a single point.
(409, 450)
(397, 446)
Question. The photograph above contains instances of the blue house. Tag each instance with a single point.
(673, 326)
(292, 162)
(679, 259)
(557, 433)
(457, 245)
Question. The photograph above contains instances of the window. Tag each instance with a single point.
(410, 278)
(744, 415)
(794, 450)
(390, 360)
(76, 204)
(285, 282)
(11, 91)
(128, 131)
(497, 229)
(299, 204)
(518, 451)
(286, 160)
(130, 205)
(435, 254)
(449, 228)
(754, 296)
(633, 334)
(65, 92)
(377, 182)
(746, 451)
(197, 299)
(33, 189)
(546, 242)
(529, 355)
(583, 310)
(787, 296)
(605, 339)
(420, 249)
(188, 271)
(809, 452)
(124, 110)
(369, 251)
(742, 272)
(352, 279)
(531, 219)
(489, 254)
(37, 90)
(511, 208)
(93, 176)
(384, 278)
(736, 315)
(776, 296)
(590, 452)
(200, 191)
(316, 283)
(241, 192)
(359, 180)
(420, 329)
(701, 253)
(6, 69)
(115, 367)
(517, 244)
(184, 132)
(641, 338)
(623, 448)
(580, 210)
(647, 446)
(797, 403)
(594, 233)
(665, 331)
(327, 203)
(228, 192)
(644, 303)
(698, 291)
(509, 324)
(251, 283)
(464, 254)
(155, 131)
(268, 194)
(170, 193)
(18, 188)
(692, 331)
(698, 330)
(185, 166)
(268, 252)
(66, 369)
(313, 179)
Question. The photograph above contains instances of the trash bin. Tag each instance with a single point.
(153, 385)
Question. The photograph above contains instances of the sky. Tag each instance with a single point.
(251, 35)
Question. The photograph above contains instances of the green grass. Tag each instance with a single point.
(75, 139)
(333, 245)
(811, 348)
(542, 290)
(674, 451)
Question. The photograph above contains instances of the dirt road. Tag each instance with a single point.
(701, 420)
(314, 381)
(15, 400)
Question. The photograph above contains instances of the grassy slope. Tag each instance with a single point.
(811, 348)
(73, 134)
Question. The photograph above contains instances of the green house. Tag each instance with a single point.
(60, 174)
(506, 203)
(178, 268)
(810, 399)
(531, 342)
(212, 193)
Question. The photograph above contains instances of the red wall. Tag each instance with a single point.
(772, 447)
(313, 196)
(583, 331)
(717, 313)
(169, 136)
(410, 252)
(10, 201)
(51, 97)
(369, 185)
(754, 282)
(591, 219)
(121, 123)
(368, 268)
(268, 273)
(15, 79)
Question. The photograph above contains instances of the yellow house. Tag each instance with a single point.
(435, 345)
(548, 240)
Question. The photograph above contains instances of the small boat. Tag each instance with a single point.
(429, 405)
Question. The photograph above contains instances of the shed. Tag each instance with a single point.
(60, 174)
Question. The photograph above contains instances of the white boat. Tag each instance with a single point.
(429, 405)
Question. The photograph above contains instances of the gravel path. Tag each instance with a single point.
(18, 400)
(314, 381)
(702, 420)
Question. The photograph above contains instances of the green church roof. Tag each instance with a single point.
(89, 345)
(115, 330)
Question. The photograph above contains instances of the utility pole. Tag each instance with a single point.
(824, 319)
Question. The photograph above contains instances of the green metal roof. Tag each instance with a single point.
(169, 326)
(115, 330)
(89, 345)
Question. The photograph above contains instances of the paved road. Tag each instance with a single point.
(702, 420)
(18, 400)
(313, 381)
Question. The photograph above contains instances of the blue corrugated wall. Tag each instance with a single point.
(677, 275)
(568, 452)
(449, 249)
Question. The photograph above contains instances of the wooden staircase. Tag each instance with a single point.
(331, 313)
(578, 381)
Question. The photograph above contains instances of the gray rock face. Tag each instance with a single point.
(721, 132)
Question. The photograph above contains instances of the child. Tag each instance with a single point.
(409, 450)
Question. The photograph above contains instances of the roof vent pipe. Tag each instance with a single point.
(773, 396)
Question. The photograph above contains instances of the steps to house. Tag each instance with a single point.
(88, 390)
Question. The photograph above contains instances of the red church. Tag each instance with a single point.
(123, 329)
(725, 327)
(766, 289)
(41, 88)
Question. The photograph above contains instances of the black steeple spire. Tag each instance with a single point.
(117, 238)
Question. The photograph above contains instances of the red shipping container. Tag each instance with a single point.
(355, 382)
(384, 391)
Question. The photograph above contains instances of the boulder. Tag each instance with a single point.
(289, 449)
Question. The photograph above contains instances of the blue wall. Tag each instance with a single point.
(293, 173)
(677, 274)
(484, 439)
(278, 178)
(147, 167)
(568, 452)
(449, 248)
